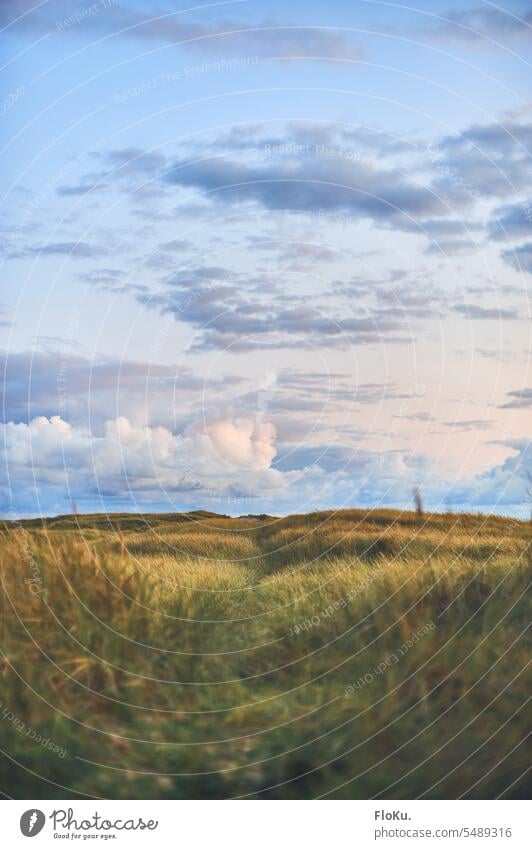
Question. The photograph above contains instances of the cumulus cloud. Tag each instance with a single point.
(502, 485)
(228, 462)
(242, 442)
(49, 461)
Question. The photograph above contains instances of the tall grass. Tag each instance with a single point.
(347, 655)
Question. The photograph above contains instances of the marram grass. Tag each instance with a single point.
(337, 655)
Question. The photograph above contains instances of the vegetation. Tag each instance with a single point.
(345, 655)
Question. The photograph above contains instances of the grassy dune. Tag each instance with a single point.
(350, 655)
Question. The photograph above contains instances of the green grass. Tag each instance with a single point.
(350, 654)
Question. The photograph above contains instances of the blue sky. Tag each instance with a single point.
(262, 259)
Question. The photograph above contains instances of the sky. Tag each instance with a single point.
(265, 258)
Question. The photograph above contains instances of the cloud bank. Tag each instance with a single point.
(226, 463)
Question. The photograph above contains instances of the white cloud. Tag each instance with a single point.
(226, 464)
(243, 443)
(149, 464)
(506, 484)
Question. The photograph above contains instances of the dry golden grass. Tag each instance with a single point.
(209, 657)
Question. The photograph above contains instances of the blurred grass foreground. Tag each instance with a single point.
(339, 655)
